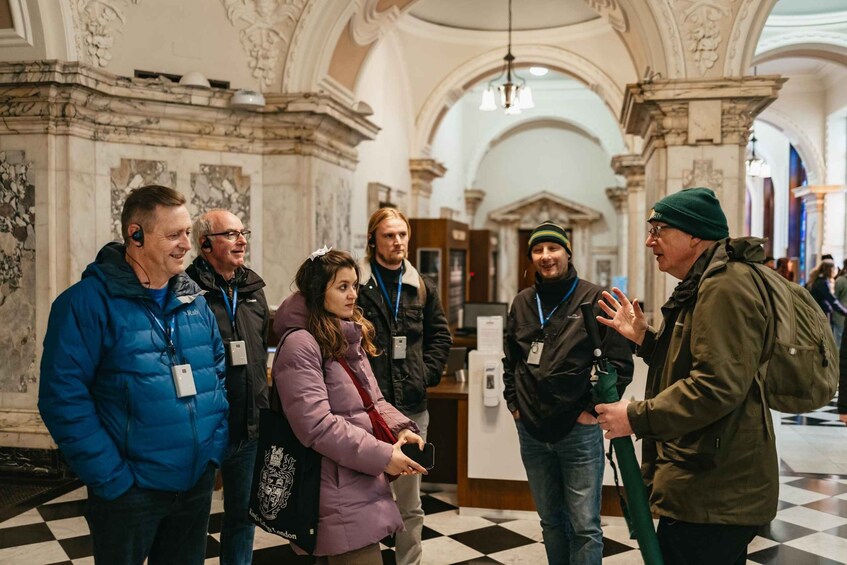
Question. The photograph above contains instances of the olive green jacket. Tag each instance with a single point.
(709, 453)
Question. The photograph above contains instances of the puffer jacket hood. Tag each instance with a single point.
(291, 314)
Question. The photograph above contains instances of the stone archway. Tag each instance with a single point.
(526, 214)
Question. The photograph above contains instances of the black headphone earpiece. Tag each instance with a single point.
(371, 239)
(138, 236)
(207, 244)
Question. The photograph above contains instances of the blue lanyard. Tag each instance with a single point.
(385, 291)
(230, 308)
(541, 317)
(168, 332)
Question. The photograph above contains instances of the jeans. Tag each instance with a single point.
(237, 529)
(407, 493)
(566, 479)
(685, 543)
(163, 527)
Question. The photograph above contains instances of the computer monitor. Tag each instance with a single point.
(474, 310)
(455, 360)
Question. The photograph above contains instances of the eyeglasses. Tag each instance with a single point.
(232, 235)
(656, 231)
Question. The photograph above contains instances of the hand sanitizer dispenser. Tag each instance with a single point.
(491, 388)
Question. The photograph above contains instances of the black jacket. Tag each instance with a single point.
(404, 381)
(551, 395)
(247, 385)
(825, 298)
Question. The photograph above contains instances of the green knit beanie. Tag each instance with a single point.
(696, 211)
(549, 231)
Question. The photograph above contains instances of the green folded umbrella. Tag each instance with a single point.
(636, 507)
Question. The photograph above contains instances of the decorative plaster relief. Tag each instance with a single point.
(96, 21)
(134, 173)
(368, 24)
(221, 186)
(702, 20)
(703, 174)
(17, 272)
(612, 12)
(267, 34)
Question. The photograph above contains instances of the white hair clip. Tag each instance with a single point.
(319, 252)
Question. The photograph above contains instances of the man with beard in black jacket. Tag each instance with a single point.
(236, 296)
(547, 370)
(413, 338)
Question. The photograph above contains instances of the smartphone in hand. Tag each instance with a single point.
(425, 458)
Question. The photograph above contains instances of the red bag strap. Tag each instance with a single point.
(366, 398)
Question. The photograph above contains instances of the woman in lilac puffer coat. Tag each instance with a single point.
(327, 414)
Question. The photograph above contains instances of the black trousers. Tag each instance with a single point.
(686, 543)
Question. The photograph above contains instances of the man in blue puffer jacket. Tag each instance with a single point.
(132, 388)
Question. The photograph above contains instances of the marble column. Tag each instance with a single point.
(695, 134)
(638, 271)
(423, 172)
(814, 200)
(473, 198)
(619, 197)
(507, 266)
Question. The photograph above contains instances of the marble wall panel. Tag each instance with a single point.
(221, 186)
(332, 211)
(17, 272)
(133, 173)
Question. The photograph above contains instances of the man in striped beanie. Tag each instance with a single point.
(547, 372)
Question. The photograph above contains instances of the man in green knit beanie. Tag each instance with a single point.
(708, 456)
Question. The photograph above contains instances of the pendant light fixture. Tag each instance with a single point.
(514, 96)
(755, 165)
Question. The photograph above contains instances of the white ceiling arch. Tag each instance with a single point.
(462, 78)
(819, 44)
(809, 152)
(536, 122)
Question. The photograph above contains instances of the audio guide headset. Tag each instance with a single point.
(207, 244)
(138, 236)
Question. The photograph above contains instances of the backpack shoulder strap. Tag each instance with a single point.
(273, 397)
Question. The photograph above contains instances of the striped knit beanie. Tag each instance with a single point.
(549, 231)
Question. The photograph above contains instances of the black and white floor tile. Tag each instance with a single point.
(810, 527)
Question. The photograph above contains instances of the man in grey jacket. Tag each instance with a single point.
(414, 339)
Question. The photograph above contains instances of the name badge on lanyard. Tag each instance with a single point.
(236, 348)
(535, 350)
(181, 373)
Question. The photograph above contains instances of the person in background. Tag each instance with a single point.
(783, 267)
(236, 296)
(708, 455)
(132, 389)
(840, 292)
(413, 338)
(547, 387)
(326, 341)
(769, 262)
(821, 290)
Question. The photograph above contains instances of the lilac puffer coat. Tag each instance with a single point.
(327, 414)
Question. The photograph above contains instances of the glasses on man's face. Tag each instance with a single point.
(232, 235)
(656, 231)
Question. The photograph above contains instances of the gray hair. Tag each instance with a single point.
(202, 226)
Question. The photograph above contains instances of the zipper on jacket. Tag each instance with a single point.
(193, 418)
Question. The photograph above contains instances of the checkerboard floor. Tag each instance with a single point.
(810, 526)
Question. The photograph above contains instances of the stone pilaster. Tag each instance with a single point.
(507, 257)
(619, 197)
(695, 134)
(631, 167)
(814, 200)
(473, 198)
(423, 172)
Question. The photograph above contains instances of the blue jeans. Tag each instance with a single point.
(163, 527)
(566, 480)
(237, 529)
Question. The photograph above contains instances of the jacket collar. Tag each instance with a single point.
(112, 270)
(208, 279)
(410, 274)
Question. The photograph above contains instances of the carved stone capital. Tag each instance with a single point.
(618, 196)
(703, 173)
(612, 12)
(78, 100)
(473, 198)
(631, 167)
(423, 172)
(696, 112)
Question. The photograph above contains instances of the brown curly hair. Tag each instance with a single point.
(312, 279)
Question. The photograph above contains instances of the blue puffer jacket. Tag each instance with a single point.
(106, 392)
